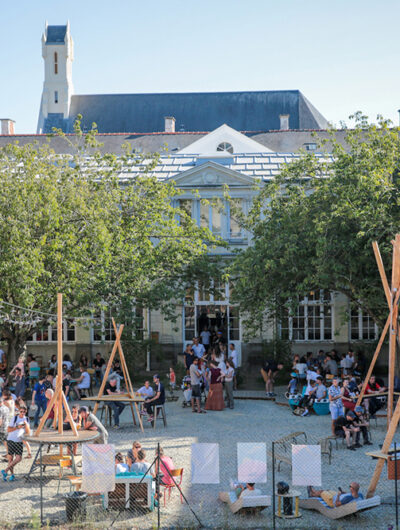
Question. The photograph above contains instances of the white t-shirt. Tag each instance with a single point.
(199, 350)
(17, 436)
(234, 356)
(229, 373)
(140, 467)
(85, 383)
(121, 468)
(148, 392)
(68, 364)
(205, 337)
(311, 375)
(250, 493)
(301, 368)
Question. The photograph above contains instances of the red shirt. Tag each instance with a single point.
(375, 388)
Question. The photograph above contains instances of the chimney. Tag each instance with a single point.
(7, 126)
(169, 122)
(284, 119)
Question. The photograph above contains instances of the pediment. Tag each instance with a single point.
(210, 175)
(224, 136)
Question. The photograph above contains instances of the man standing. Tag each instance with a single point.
(117, 406)
(205, 338)
(39, 398)
(268, 371)
(158, 399)
(198, 348)
(195, 379)
(18, 426)
(189, 357)
(233, 354)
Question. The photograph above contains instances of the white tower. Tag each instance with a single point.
(58, 54)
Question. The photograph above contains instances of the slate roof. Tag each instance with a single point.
(264, 166)
(200, 111)
(55, 34)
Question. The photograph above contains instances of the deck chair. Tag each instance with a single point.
(340, 511)
(243, 504)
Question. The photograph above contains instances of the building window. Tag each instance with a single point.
(362, 327)
(56, 96)
(103, 329)
(235, 208)
(49, 333)
(310, 146)
(211, 218)
(225, 146)
(312, 320)
(187, 206)
(56, 63)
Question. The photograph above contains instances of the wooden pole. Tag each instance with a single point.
(109, 364)
(385, 448)
(59, 362)
(382, 273)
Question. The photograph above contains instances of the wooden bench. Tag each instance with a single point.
(282, 446)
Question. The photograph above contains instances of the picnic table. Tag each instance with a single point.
(122, 398)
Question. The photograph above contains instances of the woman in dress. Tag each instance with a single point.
(215, 398)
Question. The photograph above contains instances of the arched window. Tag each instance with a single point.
(225, 146)
(55, 62)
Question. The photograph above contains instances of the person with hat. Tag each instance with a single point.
(345, 428)
(335, 394)
(158, 399)
(361, 422)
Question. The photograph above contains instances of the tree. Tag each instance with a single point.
(98, 228)
(313, 226)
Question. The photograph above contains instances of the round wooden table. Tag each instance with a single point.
(294, 494)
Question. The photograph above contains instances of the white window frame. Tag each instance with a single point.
(50, 330)
(360, 317)
(306, 303)
(110, 328)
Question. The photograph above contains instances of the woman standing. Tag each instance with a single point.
(215, 398)
(229, 374)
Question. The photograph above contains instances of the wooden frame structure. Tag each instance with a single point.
(58, 401)
(129, 395)
(392, 294)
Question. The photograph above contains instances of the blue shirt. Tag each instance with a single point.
(40, 389)
(348, 497)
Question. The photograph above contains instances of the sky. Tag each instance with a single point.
(342, 54)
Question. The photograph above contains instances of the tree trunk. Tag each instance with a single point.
(16, 346)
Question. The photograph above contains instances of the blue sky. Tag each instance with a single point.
(342, 54)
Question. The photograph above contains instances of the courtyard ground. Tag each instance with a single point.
(249, 421)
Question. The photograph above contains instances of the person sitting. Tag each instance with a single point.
(349, 403)
(83, 361)
(307, 400)
(67, 361)
(140, 466)
(345, 428)
(292, 386)
(330, 366)
(132, 455)
(248, 490)
(165, 467)
(372, 404)
(53, 362)
(158, 399)
(337, 498)
(301, 368)
(83, 382)
(117, 406)
(320, 391)
(362, 423)
(77, 419)
(97, 365)
(146, 390)
(120, 467)
(268, 371)
(90, 422)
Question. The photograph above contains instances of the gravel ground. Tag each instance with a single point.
(250, 421)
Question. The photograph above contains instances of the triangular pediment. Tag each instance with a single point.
(224, 140)
(210, 175)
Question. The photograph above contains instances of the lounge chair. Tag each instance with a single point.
(243, 504)
(340, 511)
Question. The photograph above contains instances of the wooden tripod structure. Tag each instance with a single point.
(129, 394)
(392, 325)
(58, 401)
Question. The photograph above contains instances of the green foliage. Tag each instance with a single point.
(99, 228)
(313, 226)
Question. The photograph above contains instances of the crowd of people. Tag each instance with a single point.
(338, 379)
(211, 369)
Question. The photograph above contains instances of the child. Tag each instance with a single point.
(172, 378)
(292, 386)
(120, 467)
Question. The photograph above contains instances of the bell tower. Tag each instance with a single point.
(58, 54)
